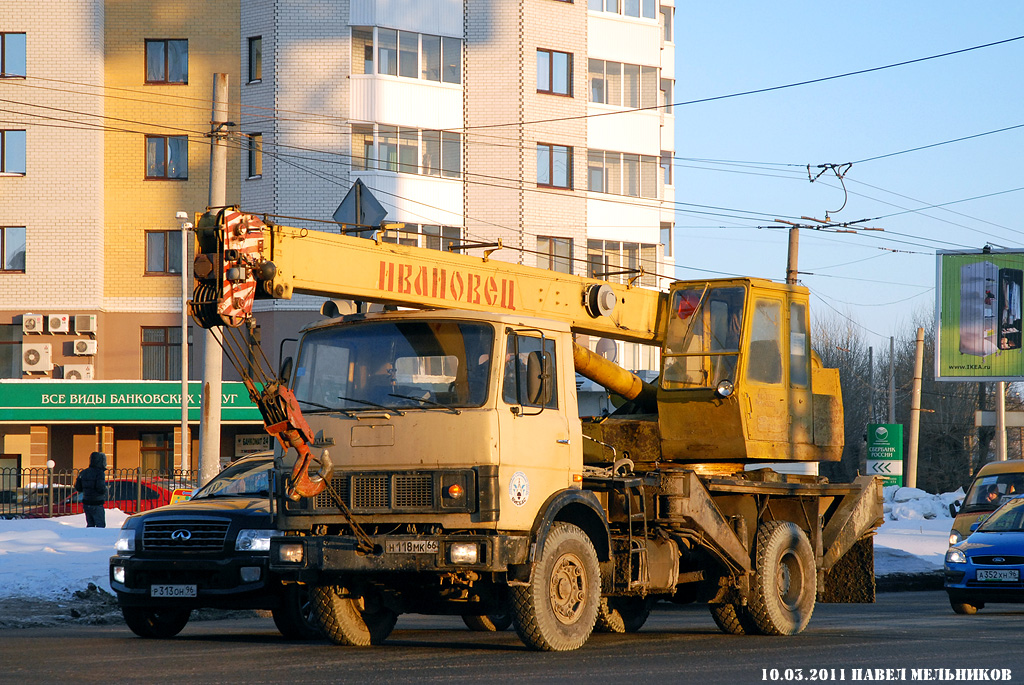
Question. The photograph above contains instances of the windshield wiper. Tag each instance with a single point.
(322, 407)
(370, 404)
(426, 401)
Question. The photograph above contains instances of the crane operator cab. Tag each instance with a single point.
(739, 381)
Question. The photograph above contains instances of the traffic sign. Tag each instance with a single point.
(360, 207)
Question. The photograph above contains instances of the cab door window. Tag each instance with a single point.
(799, 344)
(515, 382)
(764, 358)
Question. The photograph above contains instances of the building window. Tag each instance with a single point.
(619, 262)
(10, 351)
(12, 152)
(621, 173)
(254, 148)
(13, 55)
(255, 59)
(163, 253)
(167, 157)
(161, 353)
(666, 95)
(623, 85)
(666, 237)
(12, 248)
(406, 150)
(430, 236)
(666, 167)
(156, 453)
(629, 8)
(166, 61)
(666, 22)
(554, 72)
(406, 54)
(554, 254)
(554, 166)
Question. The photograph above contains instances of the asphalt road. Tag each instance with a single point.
(915, 630)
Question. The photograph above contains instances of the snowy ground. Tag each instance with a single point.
(48, 565)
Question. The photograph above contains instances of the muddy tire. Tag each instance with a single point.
(965, 608)
(491, 623)
(155, 623)
(623, 614)
(785, 583)
(349, 619)
(556, 612)
(294, 618)
(733, 619)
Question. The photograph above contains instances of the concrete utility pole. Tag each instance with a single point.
(910, 477)
(1001, 421)
(209, 461)
(892, 380)
(791, 261)
(186, 438)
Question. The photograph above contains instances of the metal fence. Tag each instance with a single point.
(43, 493)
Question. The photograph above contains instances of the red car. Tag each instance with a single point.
(122, 493)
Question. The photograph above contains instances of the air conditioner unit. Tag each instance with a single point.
(85, 323)
(35, 358)
(85, 348)
(78, 372)
(58, 323)
(32, 323)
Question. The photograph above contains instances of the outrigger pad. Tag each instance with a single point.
(852, 579)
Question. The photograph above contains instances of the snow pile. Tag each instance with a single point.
(906, 504)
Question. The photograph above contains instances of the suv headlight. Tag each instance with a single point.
(253, 540)
(125, 540)
(955, 556)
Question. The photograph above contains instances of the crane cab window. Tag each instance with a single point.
(764, 358)
(524, 357)
(703, 339)
(799, 347)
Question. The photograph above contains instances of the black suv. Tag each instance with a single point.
(208, 552)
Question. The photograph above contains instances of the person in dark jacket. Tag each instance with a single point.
(92, 483)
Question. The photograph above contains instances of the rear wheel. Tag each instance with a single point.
(155, 623)
(347, 618)
(623, 614)
(556, 612)
(733, 619)
(785, 584)
(490, 623)
(294, 618)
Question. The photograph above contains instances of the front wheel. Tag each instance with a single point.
(155, 623)
(556, 612)
(347, 618)
(785, 583)
(294, 618)
(966, 608)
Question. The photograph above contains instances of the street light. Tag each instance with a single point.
(185, 437)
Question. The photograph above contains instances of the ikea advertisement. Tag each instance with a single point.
(978, 313)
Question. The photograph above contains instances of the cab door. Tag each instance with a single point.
(801, 400)
(535, 440)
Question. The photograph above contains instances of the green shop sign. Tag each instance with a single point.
(885, 452)
(27, 401)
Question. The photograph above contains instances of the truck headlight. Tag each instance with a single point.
(253, 540)
(125, 540)
(463, 552)
(290, 552)
(119, 574)
(955, 556)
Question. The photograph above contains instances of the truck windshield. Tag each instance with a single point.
(247, 478)
(395, 365)
(702, 344)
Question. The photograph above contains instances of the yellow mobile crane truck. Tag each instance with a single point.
(432, 460)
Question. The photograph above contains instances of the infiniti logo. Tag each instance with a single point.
(181, 535)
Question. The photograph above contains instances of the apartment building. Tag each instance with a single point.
(102, 140)
(543, 123)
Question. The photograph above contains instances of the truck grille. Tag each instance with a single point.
(187, 535)
(383, 492)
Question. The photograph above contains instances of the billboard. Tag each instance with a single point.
(978, 314)
(885, 452)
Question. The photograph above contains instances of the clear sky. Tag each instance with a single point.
(732, 47)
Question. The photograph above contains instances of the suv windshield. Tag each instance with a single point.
(248, 478)
(394, 365)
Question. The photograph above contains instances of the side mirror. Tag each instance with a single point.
(954, 507)
(539, 378)
(974, 526)
(286, 370)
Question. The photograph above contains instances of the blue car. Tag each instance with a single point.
(988, 566)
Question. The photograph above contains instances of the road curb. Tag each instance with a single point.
(909, 582)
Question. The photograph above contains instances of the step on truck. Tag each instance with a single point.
(431, 458)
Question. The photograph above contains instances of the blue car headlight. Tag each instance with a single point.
(955, 556)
